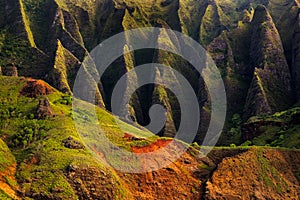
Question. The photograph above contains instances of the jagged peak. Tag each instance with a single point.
(266, 46)
(269, 64)
(257, 99)
(261, 14)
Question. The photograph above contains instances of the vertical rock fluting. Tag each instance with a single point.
(69, 52)
(235, 84)
(133, 109)
(190, 15)
(210, 25)
(221, 51)
(160, 96)
(270, 89)
(66, 65)
(296, 59)
(16, 19)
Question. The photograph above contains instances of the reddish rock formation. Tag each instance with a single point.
(35, 88)
(256, 174)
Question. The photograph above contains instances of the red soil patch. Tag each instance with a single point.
(9, 173)
(34, 88)
(256, 174)
(152, 147)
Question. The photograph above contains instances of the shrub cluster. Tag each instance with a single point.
(31, 131)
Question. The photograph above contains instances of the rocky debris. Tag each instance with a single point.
(175, 181)
(92, 183)
(256, 174)
(9, 70)
(71, 143)
(44, 110)
(35, 88)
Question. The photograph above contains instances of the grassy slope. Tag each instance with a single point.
(41, 163)
(7, 180)
(278, 136)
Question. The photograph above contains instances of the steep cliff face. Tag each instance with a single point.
(271, 85)
(17, 42)
(45, 158)
(296, 58)
(49, 39)
(66, 66)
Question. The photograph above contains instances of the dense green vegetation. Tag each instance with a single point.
(282, 134)
(48, 40)
(38, 144)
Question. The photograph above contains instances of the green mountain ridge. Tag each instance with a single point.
(51, 38)
(43, 157)
(255, 45)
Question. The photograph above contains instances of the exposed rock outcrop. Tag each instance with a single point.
(210, 26)
(160, 96)
(94, 183)
(66, 65)
(35, 88)
(10, 70)
(44, 110)
(270, 90)
(133, 110)
(72, 143)
(262, 174)
(191, 15)
(257, 99)
(296, 58)
(222, 53)
(49, 40)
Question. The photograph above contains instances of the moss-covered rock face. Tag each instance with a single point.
(49, 39)
(255, 44)
(296, 59)
(272, 78)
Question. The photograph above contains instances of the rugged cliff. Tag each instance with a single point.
(44, 158)
(254, 44)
